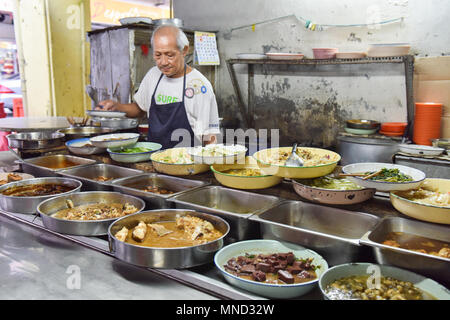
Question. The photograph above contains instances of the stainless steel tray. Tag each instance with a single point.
(87, 174)
(333, 233)
(134, 186)
(235, 206)
(85, 227)
(435, 267)
(183, 257)
(37, 166)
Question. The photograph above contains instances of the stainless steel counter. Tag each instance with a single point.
(35, 264)
(43, 257)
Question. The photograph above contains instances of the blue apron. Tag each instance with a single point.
(166, 118)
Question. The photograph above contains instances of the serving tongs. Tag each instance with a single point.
(294, 160)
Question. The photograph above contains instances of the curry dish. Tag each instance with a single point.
(36, 190)
(185, 231)
(96, 211)
(418, 244)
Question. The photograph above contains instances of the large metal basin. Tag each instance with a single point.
(46, 166)
(183, 257)
(134, 186)
(235, 206)
(435, 267)
(35, 140)
(83, 227)
(28, 205)
(88, 173)
(333, 233)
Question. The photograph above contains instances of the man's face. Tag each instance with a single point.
(168, 58)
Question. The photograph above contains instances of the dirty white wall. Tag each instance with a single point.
(300, 101)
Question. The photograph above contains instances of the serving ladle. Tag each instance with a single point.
(294, 160)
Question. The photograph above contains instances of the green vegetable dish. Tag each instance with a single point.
(390, 175)
(133, 150)
(332, 183)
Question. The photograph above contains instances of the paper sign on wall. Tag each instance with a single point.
(205, 49)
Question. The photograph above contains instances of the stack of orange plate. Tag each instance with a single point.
(393, 129)
(427, 123)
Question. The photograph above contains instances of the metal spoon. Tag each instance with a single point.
(294, 160)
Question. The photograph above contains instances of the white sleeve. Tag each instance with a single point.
(143, 96)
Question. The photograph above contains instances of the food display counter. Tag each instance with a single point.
(21, 232)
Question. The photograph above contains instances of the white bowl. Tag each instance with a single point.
(237, 157)
(388, 50)
(83, 146)
(417, 175)
(277, 291)
(420, 150)
(358, 269)
(115, 140)
(134, 157)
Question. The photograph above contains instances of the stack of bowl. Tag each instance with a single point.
(362, 126)
(393, 129)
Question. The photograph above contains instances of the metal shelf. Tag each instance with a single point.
(247, 111)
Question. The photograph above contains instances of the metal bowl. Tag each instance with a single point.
(184, 257)
(243, 182)
(35, 140)
(84, 227)
(28, 205)
(115, 123)
(331, 196)
(84, 132)
(358, 269)
(363, 124)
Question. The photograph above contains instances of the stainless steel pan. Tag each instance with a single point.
(184, 257)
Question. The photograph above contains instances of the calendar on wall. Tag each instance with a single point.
(205, 49)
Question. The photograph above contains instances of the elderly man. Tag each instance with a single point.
(179, 100)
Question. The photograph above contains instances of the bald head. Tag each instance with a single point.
(171, 33)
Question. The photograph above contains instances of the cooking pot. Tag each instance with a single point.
(359, 149)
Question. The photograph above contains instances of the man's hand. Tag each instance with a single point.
(107, 105)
